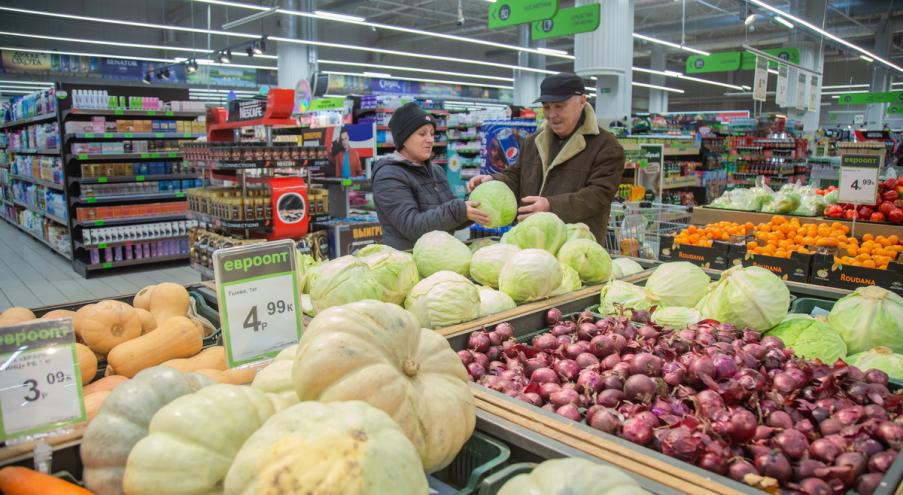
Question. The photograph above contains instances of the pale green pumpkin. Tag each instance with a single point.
(572, 476)
(276, 377)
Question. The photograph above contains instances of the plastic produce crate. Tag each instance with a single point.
(211, 314)
(493, 483)
(805, 305)
(480, 456)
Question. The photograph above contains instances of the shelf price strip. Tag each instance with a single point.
(40, 382)
(259, 306)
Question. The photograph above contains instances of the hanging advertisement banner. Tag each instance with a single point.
(802, 88)
(568, 22)
(760, 82)
(121, 69)
(782, 90)
(731, 61)
(504, 13)
(792, 55)
(813, 93)
(868, 98)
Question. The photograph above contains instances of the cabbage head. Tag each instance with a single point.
(618, 294)
(395, 270)
(676, 317)
(624, 267)
(306, 265)
(493, 301)
(442, 299)
(879, 358)
(542, 230)
(497, 202)
(810, 338)
(747, 297)
(529, 275)
(591, 260)
(570, 281)
(307, 306)
(487, 262)
(869, 317)
(482, 242)
(579, 230)
(680, 283)
(437, 251)
(341, 281)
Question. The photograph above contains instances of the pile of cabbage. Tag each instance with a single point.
(792, 199)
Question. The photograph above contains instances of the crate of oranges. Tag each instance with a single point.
(709, 246)
(873, 260)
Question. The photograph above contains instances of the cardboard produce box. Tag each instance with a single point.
(826, 272)
(716, 257)
(797, 268)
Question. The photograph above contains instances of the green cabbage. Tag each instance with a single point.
(579, 230)
(879, 358)
(442, 299)
(305, 264)
(591, 260)
(307, 306)
(497, 202)
(680, 283)
(482, 242)
(624, 267)
(342, 281)
(810, 338)
(542, 230)
(493, 301)
(618, 294)
(747, 297)
(487, 262)
(676, 317)
(395, 270)
(529, 275)
(869, 317)
(437, 251)
(570, 281)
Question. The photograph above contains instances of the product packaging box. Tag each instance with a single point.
(796, 268)
(715, 257)
(826, 272)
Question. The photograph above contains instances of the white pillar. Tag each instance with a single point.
(880, 80)
(658, 99)
(526, 83)
(297, 62)
(607, 53)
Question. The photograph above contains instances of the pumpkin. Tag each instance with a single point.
(123, 420)
(350, 448)
(142, 298)
(213, 357)
(105, 325)
(148, 323)
(16, 315)
(192, 440)
(177, 338)
(572, 475)
(377, 352)
(168, 300)
(87, 363)
(17, 480)
(276, 378)
(234, 376)
(106, 383)
(81, 312)
(94, 401)
(58, 313)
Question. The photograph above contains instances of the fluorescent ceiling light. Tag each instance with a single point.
(83, 54)
(746, 88)
(844, 92)
(439, 81)
(14, 92)
(751, 18)
(773, 71)
(26, 82)
(785, 22)
(668, 43)
(826, 34)
(656, 86)
(377, 74)
(349, 19)
(867, 59)
(840, 86)
(414, 69)
(678, 75)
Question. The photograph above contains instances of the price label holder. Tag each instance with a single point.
(40, 382)
(859, 179)
(259, 301)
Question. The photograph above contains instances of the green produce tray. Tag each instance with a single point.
(210, 314)
(493, 483)
(480, 456)
(805, 305)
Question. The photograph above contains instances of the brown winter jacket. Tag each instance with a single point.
(582, 180)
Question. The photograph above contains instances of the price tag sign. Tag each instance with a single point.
(40, 383)
(859, 179)
(259, 301)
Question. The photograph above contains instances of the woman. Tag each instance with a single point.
(412, 195)
(345, 159)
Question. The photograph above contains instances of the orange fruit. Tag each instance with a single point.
(868, 237)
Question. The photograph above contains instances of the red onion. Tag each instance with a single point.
(504, 330)
(465, 356)
(546, 390)
(559, 330)
(772, 342)
(564, 396)
(673, 373)
(891, 434)
(586, 331)
(567, 369)
(709, 403)
(680, 443)
(494, 353)
(775, 465)
(881, 462)
(610, 398)
(779, 419)
(569, 411)
(792, 442)
(590, 381)
(612, 381)
(742, 426)
(785, 383)
(858, 391)
(603, 345)
(530, 398)
(563, 340)
(855, 462)
(647, 332)
(636, 432)
(476, 371)
(824, 450)
(808, 468)
(639, 388)
(544, 375)
(874, 411)
(805, 427)
(496, 367)
(702, 365)
(830, 426)
(606, 420)
(646, 364)
(867, 484)
(494, 338)
(850, 415)
(739, 468)
(876, 376)
(548, 407)
(713, 462)
(479, 341)
(571, 351)
(532, 364)
(481, 359)
(763, 432)
(725, 366)
(757, 351)
(868, 447)
(609, 361)
(553, 316)
(587, 360)
(545, 342)
(839, 441)
(622, 369)
(512, 375)
(687, 334)
(815, 486)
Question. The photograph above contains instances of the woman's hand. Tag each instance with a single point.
(476, 181)
(476, 215)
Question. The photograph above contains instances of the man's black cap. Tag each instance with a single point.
(560, 87)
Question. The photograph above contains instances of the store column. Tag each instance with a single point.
(607, 54)
(526, 83)
(811, 57)
(658, 99)
(880, 80)
(297, 62)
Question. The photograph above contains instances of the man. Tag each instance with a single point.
(570, 167)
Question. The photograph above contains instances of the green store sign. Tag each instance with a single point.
(336, 103)
(504, 13)
(894, 109)
(568, 22)
(868, 98)
(732, 61)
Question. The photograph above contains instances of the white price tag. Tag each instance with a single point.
(259, 300)
(859, 179)
(760, 81)
(40, 384)
(782, 90)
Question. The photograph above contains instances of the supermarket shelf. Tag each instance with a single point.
(206, 273)
(42, 212)
(129, 113)
(30, 120)
(392, 146)
(128, 156)
(260, 225)
(35, 151)
(684, 182)
(40, 182)
(36, 237)
(134, 135)
(102, 245)
(143, 261)
(258, 164)
(102, 222)
(129, 197)
(132, 178)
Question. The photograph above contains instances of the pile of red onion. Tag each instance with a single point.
(722, 398)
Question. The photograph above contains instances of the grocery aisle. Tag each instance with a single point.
(31, 275)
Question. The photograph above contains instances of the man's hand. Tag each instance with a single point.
(532, 204)
(476, 181)
(476, 215)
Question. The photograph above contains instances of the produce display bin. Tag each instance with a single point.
(492, 484)
(481, 456)
(805, 305)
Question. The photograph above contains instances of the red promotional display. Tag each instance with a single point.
(290, 208)
(277, 112)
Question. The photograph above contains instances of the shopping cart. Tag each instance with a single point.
(636, 228)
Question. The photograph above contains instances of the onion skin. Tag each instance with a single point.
(868, 483)
(881, 462)
(792, 442)
(823, 450)
(569, 411)
(815, 486)
(636, 432)
(740, 468)
(553, 316)
(605, 420)
(639, 388)
(775, 465)
(891, 433)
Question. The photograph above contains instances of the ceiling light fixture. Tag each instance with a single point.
(678, 75)
(668, 43)
(751, 18)
(867, 59)
(336, 16)
(773, 71)
(377, 74)
(30, 83)
(147, 78)
(785, 22)
(841, 86)
(438, 81)
(225, 56)
(192, 66)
